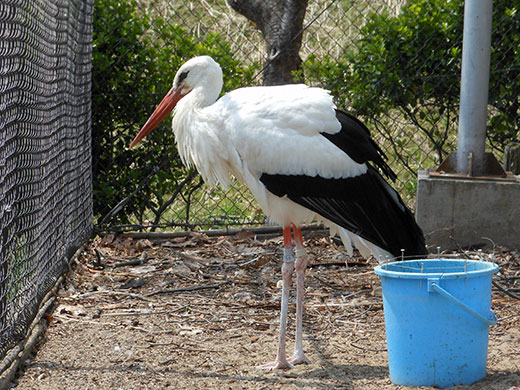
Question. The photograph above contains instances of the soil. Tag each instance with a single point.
(202, 313)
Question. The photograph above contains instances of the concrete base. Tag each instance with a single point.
(456, 213)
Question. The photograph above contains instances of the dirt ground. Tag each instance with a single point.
(202, 313)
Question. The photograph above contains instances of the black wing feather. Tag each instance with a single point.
(365, 205)
(354, 139)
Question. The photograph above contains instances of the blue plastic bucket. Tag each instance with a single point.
(437, 317)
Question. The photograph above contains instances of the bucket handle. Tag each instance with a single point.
(433, 286)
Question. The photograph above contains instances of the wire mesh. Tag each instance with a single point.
(393, 63)
(45, 155)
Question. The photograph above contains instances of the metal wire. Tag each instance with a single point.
(45, 155)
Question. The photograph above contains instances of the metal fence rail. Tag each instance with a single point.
(393, 63)
(45, 154)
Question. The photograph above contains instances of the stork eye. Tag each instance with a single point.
(183, 75)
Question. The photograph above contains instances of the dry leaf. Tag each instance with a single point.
(71, 310)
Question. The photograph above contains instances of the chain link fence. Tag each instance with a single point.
(393, 63)
(45, 156)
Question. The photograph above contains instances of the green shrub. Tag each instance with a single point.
(410, 64)
(134, 62)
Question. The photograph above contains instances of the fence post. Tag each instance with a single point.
(474, 86)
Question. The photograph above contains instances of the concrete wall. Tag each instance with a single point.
(457, 213)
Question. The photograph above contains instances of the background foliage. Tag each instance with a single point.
(134, 64)
(408, 66)
(394, 64)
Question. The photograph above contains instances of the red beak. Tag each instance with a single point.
(164, 108)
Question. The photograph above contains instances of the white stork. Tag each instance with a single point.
(301, 158)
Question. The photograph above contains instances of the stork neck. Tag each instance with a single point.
(199, 98)
(194, 128)
(186, 124)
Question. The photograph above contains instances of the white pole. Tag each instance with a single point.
(474, 86)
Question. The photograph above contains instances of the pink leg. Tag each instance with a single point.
(287, 270)
(300, 266)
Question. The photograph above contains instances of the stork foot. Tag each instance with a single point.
(276, 365)
(299, 358)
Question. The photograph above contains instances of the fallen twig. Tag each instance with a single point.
(191, 258)
(326, 283)
(139, 261)
(367, 349)
(109, 292)
(141, 313)
(184, 289)
(102, 323)
(505, 291)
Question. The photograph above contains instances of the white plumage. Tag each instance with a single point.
(274, 129)
(301, 158)
(251, 131)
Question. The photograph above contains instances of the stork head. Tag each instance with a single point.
(201, 76)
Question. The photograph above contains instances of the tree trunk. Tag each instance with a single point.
(280, 22)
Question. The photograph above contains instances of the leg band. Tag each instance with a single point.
(288, 255)
(300, 252)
